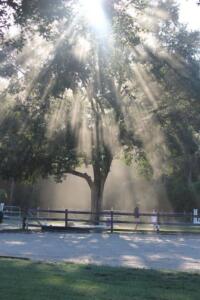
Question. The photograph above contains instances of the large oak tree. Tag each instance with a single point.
(81, 105)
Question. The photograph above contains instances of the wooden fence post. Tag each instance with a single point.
(158, 222)
(111, 221)
(24, 219)
(66, 218)
(38, 212)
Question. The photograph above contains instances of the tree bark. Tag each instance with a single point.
(82, 175)
(12, 189)
(97, 190)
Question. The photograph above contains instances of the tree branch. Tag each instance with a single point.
(82, 175)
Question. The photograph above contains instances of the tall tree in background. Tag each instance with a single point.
(178, 71)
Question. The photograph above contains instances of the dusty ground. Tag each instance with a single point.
(178, 252)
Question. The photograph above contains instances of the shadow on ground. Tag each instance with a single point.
(27, 280)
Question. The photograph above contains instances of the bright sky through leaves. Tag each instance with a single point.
(92, 10)
(190, 14)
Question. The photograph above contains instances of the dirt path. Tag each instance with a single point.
(177, 252)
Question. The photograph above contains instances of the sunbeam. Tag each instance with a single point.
(92, 11)
(108, 92)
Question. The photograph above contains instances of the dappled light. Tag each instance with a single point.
(134, 251)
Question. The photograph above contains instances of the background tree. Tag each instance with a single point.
(177, 69)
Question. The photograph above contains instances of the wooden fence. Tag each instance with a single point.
(12, 212)
(109, 220)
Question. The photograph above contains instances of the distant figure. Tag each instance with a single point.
(137, 216)
(154, 220)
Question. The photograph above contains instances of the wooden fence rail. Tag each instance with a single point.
(107, 219)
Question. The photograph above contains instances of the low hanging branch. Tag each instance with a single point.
(82, 175)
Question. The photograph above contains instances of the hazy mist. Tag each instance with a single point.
(124, 190)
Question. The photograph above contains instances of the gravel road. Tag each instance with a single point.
(156, 251)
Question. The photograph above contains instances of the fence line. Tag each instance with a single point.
(107, 219)
(12, 212)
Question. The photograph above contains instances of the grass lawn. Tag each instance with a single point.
(26, 280)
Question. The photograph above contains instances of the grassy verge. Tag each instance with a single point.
(26, 280)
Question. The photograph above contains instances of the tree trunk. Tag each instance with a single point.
(12, 189)
(96, 187)
(96, 201)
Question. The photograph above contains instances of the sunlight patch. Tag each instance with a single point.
(92, 10)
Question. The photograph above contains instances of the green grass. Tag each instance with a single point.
(26, 280)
